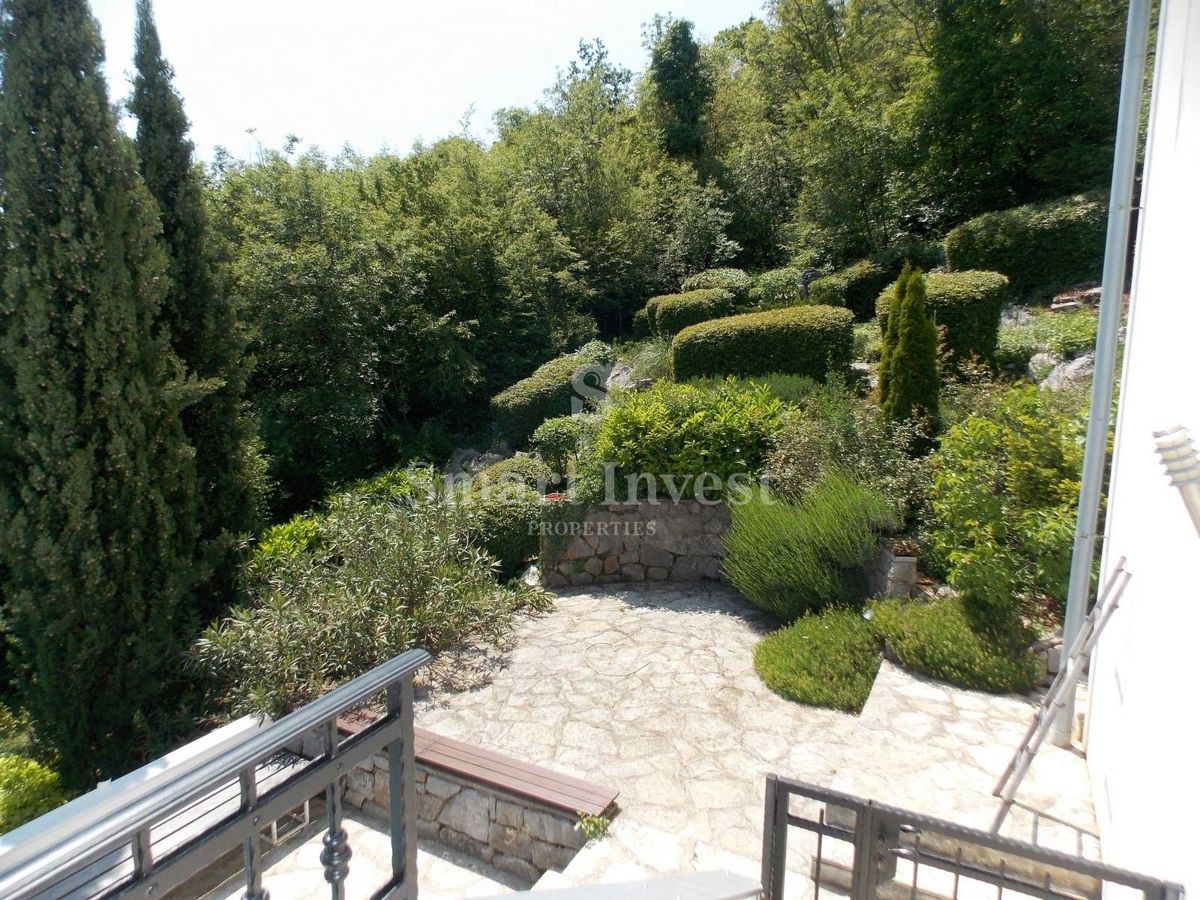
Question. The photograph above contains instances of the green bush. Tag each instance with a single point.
(27, 790)
(682, 432)
(816, 341)
(558, 441)
(779, 287)
(1065, 334)
(641, 322)
(854, 287)
(650, 358)
(967, 305)
(829, 659)
(791, 389)
(548, 392)
(1042, 247)
(910, 358)
(868, 345)
(674, 312)
(791, 559)
(522, 471)
(937, 639)
(506, 524)
(383, 577)
(735, 281)
(915, 251)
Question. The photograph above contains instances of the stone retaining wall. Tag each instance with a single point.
(643, 541)
(512, 833)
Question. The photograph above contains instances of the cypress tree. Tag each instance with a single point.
(94, 466)
(913, 386)
(891, 332)
(682, 88)
(198, 314)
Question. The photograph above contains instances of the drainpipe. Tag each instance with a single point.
(1116, 248)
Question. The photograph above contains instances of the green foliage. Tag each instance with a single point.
(526, 471)
(938, 639)
(912, 359)
(1005, 487)
(594, 827)
(816, 341)
(868, 345)
(28, 789)
(674, 312)
(199, 317)
(383, 577)
(1042, 248)
(549, 391)
(98, 488)
(828, 659)
(670, 436)
(735, 281)
(791, 389)
(791, 559)
(1064, 334)
(505, 522)
(890, 326)
(854, 287)
(559, 440)
(650, 358)
(780, 287)
(967, 305)
(681, 88)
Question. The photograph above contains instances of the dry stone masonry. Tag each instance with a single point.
(642, 541)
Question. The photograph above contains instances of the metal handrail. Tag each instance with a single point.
(91, 840)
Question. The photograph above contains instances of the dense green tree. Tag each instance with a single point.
(891, 332)
(197, 313)
(681, 87)
(913, 384)
(96, 477)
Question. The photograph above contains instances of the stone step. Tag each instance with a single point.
(692, 886)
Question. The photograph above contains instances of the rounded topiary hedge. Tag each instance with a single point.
(797, 340)
(854, 287)
(671, 313)
(735, 281)
(780, 287)
(548, 392)
(966, 304)
(1042, 247)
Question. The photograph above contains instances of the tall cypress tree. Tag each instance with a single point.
(97, 545)
(198, 313)
(913, 384)
(682, 88)
(891, 332)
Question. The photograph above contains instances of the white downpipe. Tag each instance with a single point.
(1116, 248)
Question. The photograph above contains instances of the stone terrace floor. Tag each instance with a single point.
(651, 689)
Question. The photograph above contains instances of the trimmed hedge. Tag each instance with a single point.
(523, 471)
(1042, 247)
(735, 281)
(966, 304)
(522, 407)
(779, 287)
(671, 313)
(854, 287)
(816, 341)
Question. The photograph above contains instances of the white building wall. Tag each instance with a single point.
(1144, 722)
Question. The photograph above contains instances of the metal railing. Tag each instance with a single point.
(115, 855)
(879, 837)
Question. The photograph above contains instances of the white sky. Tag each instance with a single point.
(375, 73)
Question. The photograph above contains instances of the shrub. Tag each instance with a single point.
(938, 640)
(854, 287)
(791, 389)
(506, 524)
(1042, 247)
(548, 392)
(779, 287)
(675, 433)
(967, 305)
(1064, 334)
(868, 345)
(912, 361)
(291, 538)
(910, 250)
(641, 322)
(792, 559)
(558, 441)
(816, 341)
(674, 312)
(648, 359)
(735, 281)
(1003, 499)
(525, 472)
(28, 789)
(382, 578)
(829, 659)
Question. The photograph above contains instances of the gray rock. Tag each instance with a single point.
(621, 377)
(688, 568)
(468, 813)
(657, 573)
(633, 571)
(553, 829)
(429, 807)
(593, 566)
(1041, 364)
(1014, 315)
(516, 866)
(510, 840)
(509, 814)
(581, 578)
(656, 556)
(456, 840)
(554, 580)
(440, 787)
(549, 856)
(1066, 374)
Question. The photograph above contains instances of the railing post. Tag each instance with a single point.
(253, 846)
(774, 858)
(335, 857)
(402, 790)
(863, 884)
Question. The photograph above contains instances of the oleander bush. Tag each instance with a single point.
(28, 789)
(854, 287)
(674, 312)
(967, 305)
(735, 281)
(815, 341)
(797, 558)
(1041, 247)
(383, 577)
(937, 638)
(522, 407)
(827, 659)
(779, 287)
(526, 472)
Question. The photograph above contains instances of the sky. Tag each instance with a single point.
(376, 73)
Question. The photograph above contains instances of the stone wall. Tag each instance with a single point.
(889, 575)
(643, 541)
(512, 833)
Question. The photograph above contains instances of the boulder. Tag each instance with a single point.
(1071, 372)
